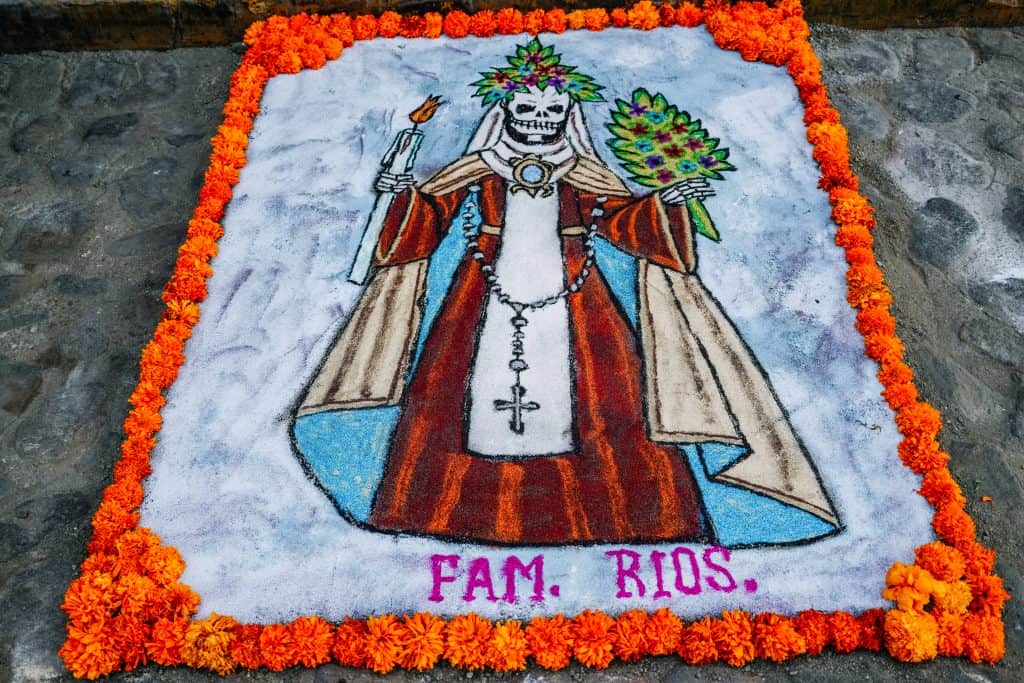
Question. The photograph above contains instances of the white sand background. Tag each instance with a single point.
(262, 543)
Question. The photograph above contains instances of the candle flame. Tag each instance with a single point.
(425, 111)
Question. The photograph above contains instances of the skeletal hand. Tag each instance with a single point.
(393, 182)
(691, 188)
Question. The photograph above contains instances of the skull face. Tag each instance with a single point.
(537, 116)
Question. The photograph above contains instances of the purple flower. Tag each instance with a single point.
(665, 176)
(707, 162)
(654, 161)
(556, 82)
(694, 144)
(533, 58)
(662, 137)
(673, 151)
(638, 109)
(530, 80)
(510, 86)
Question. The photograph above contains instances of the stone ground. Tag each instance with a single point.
(101, 156)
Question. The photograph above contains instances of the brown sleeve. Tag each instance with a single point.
(645, 227)
(416, 223)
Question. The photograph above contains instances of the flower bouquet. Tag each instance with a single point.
(660, 145)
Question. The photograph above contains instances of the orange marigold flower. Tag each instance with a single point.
(950, 633)
(989, 595)
(919, 419)
(384, 638)
(667, 15)
(984, 638)
(776, 638)
(940, 489)
(592, 639)
(244, 648)
(350, 643)
(576, 19)
(163, 564)
(697, 643)
(135, 593)
(619, 18)
(955, 599)
(688, 14)
(911, 636)
(596, 19)
(846, 631)
(389, 24)
(533, 21)
(424, 641)
(954, 525)
(433, 25)
(130, 635)
(911, 587)
(364, 27)
(876, 320)
(662, 631)
(208, 642)
(556, 20)
(509, 21)
(165, 641)
(412, 26)
(456, 24)
(900, 395)
(734, 637)
(550, 641)
(630, 637)
(90, 651)
(644, 15)
(507, 649)
(848, 236)
(849, 206)
(978, 560)
(872, 628)
(483, 24)
(815, 629)
(91, 598)
(277, 648)
(466, 642)
(313, 638)
(99, 562)
(110, 521)
(125, 492)
(943, 561)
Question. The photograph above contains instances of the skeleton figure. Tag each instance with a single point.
(545, 389)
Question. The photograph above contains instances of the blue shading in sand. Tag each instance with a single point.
(741, 517)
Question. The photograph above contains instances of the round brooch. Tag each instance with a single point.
(532, 175)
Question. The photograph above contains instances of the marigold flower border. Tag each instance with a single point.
(128, 607)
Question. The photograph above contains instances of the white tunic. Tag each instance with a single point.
(529, 266)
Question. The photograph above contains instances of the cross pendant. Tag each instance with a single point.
(517, 406)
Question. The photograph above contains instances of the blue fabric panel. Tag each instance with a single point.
(742, 517)
(720, 456)
(619, 270)
(346, 450)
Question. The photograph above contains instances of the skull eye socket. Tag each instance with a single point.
(556, 108)
(524, 108)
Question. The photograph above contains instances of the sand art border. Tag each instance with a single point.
(128, 608)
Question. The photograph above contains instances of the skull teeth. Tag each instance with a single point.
(535, 125)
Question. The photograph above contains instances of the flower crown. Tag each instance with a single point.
(535, 65)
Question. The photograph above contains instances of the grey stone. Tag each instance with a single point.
(183, 139)
(6, 76)
(995, 340)
(1004, 299)
(19, 383)
(43, 232)
(13, 322)
(112, 126)
(13, 541)
(146, 190)
(935, 375)
(40, 133)
(69, 418)
(153, 241)
(941, 163)
(100, 79)
(159, 79)
(1007, 138)
(78, 170)
(932, 101)
(942, 56)
(1009, 96)
(862, 116)
(1017, 416)
(13, 288)
(995, 43)
(76, 285)
(1013, 212)
(862, 60)
(65, 509)
(940, 230)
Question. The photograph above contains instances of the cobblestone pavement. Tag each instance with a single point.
(101, 156)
